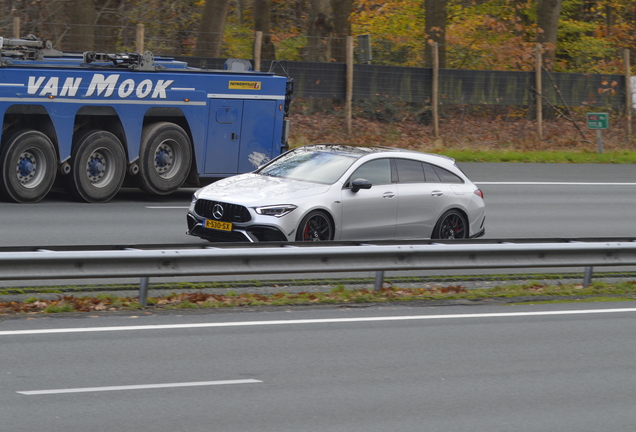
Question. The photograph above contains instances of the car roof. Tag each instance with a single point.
(359, 151)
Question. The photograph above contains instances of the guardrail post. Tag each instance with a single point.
(143, 291)
(379, 280)
(587, 279)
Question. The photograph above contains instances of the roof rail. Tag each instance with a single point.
(34, 48)
(134, 61)
(29, 48)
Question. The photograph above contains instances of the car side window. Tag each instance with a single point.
(377, 171)
(409, 171)
(446, 176)
(431, 175)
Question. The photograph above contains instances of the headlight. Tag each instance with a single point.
(193, 203)
(277, 210)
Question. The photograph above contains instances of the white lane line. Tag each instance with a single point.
(167, 207)
(311, 321)
(137, 387)
(555, 183)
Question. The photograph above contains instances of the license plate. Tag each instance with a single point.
(218, 225)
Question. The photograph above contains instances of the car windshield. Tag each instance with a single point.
(310, 165)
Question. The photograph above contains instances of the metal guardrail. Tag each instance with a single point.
(233, 259)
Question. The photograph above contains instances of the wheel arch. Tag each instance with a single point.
(460, 210)
(325, 210)
(101, 118)
(34, 117)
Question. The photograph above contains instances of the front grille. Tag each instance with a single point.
(231, 212)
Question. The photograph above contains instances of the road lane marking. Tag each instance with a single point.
(137, 387)
(311, 321)
(167, 207)
(555, 183)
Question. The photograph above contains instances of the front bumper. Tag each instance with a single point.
(250, 234)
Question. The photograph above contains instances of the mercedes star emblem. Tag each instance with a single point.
(217, 211)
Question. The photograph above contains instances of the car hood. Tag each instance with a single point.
(250, 188)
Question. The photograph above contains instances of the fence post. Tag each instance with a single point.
(258, 47)
(539, 93)
(16, 27)
(143, 291)
(435, 89)
(349, 90)
(379, 280)
(587, 278)
(628, 91)
(140, 38)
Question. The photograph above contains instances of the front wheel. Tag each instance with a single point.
(28, 166)
(98, 167)
(316, 226)
(452, 225)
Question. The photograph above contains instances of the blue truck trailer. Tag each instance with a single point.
(91, 121)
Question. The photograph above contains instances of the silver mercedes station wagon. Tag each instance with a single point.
(339, 192)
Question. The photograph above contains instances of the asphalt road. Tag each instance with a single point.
(523, 201)
(482, 368)
(557, 200)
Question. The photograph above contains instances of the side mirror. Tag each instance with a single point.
(360, 183)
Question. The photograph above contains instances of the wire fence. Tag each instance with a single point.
(478, 75)
(182, 41)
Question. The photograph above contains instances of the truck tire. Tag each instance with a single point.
(98, 166)
(165, 156)
(28, 162)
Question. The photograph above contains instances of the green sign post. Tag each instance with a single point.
(598, 121)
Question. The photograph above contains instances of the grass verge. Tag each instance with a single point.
(339, 295)
(615, 157)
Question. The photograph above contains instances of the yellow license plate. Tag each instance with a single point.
(218, 225)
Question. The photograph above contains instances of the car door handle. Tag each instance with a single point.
(437, 193)
(388, 195)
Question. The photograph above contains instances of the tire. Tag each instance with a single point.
(165, 156)
(315, 226)
(29, 164)
(98, 167)
(452, 225)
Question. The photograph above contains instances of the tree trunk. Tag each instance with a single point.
(435, 28)
(319, 30)
(547, 25)
(521, 17)
(262, 23)
(341, 28)
(210, 37)
(81, 20)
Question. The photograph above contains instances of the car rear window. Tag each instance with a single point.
(446, 176)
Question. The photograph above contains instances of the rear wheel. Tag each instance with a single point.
(316, 226)
(165, 156)
(452, 225)
(98, 167)
(28, 164)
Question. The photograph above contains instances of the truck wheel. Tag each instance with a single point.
(98, 166)
(28, 164)
(165, 156)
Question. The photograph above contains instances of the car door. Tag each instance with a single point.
(422, 197)
(370, 214)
